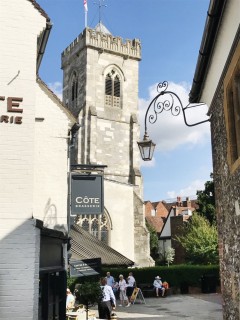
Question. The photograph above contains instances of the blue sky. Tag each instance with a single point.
(170, 32)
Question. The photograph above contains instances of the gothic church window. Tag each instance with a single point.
(97, 225)
(112, 89)
(74, 89)
(232, 110)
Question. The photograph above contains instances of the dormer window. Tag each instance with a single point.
(112, 90)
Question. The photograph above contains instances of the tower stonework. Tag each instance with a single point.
(100, 86)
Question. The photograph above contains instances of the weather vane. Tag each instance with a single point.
(100, 4)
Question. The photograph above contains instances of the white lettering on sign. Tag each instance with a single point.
(87, 200)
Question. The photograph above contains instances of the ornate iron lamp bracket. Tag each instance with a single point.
(158, 105)
(172, 103)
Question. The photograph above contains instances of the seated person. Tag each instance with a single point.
(158, 286)
(70, 301)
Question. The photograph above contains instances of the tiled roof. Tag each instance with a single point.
(38, 7)
(160, 209)
(168, 206)
(156, 222)
(86, 246)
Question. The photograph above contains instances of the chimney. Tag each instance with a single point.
(179, 201)
(188, 202)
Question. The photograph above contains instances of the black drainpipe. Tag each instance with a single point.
(42, 43)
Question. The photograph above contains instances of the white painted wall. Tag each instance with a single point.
(122, 214)
(21, 23)
(51, 160)
(166, 231)
(19, 270)
(19, 239)
(222, 48)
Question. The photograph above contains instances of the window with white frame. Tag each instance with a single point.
(97, 225)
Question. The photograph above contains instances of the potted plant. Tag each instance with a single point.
(88, 294)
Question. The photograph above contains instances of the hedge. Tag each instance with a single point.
(175, 275)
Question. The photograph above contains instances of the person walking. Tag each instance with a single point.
(122, 291)
(112, 283)
(110, 279)
(131, 283)
(70, 300)
(108, 301)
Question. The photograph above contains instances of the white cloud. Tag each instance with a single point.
(169, 132)
(56, 87)
(189, 190)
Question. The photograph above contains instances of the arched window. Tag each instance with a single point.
(85, 224)
(112, 89)
(94, 228)
(97, 225)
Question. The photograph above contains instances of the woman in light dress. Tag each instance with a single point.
(122, 288)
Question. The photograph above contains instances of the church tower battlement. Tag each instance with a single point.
(103, 41)
(100, 87)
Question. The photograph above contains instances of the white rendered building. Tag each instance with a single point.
(34, 132)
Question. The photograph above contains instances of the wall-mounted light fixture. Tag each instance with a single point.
(159, 104)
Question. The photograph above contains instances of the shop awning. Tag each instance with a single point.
(86, 246)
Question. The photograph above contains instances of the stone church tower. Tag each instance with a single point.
(100, 86)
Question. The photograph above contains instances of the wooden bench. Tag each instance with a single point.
(149, 290)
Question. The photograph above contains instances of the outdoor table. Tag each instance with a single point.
(81, 315)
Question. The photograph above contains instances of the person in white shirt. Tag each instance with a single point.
(108, 301)
(131, 283)
(122, 288)
(70, 300)
(157, 283)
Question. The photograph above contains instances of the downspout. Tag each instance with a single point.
(214, 15)
(42, 42)
(71, 142)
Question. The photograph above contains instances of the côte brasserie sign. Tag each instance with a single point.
(13, 106)
(86, 194)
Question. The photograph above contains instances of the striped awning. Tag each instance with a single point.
(86, 246)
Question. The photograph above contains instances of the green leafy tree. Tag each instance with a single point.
(200, 241)
(206, 202)
(153, 241)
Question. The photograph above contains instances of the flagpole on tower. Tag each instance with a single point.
(86, 11)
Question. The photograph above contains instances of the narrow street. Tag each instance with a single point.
(175, 307)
